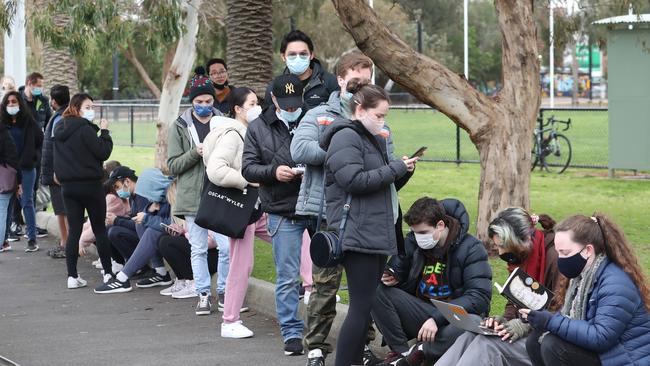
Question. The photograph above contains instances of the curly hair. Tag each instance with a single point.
(608, 238)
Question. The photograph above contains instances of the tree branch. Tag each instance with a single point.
(130, 55)
(428, 80)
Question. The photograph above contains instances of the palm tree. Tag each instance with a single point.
(59, 65)
(250, 49)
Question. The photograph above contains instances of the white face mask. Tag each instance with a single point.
(252, 113)
(13, 110)
(426, 241)
(89, 114)
(374, 126)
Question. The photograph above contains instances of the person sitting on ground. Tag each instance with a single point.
(153, 186)
(442, 262)
(122, 229)
(602, 315)
(520, 244)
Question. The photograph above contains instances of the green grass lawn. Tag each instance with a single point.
(575, 191)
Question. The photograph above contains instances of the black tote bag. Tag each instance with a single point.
(227, 211)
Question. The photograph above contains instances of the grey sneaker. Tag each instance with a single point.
(204, 307)
(221, 301)
(31, 246)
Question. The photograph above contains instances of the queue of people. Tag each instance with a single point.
(319, 154)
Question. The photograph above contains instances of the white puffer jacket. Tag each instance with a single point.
(222, 153)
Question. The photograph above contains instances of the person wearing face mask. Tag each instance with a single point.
(33, 95)
(185, 161)
(297, 52)
(519, 244)
(224, 147)
(78, 165)
(360, 175)
(28, 138)
(218, 72)
(602, 306)
(267, 160)
(306, 150)
(442, 262)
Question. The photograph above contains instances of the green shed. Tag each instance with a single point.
(628, 86)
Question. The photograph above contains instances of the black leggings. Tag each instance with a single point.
(176, 250)
(88, 196)
(554, 351)
(363, 272)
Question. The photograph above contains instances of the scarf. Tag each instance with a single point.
(535, 264)
(577, 295)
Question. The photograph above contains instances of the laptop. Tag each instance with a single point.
(458, 317)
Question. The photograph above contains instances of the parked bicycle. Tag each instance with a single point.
(551, 152)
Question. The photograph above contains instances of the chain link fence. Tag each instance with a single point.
(413, 125)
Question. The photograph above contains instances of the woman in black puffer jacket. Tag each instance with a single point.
(357, 164)
(78, 164)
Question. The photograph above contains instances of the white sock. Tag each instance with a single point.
(122, 277)
(315, 353)
(161, 271)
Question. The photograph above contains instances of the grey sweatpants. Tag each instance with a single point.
(475, 350)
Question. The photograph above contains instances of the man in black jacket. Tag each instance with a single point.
(267, 160)
(442, 262)
(60, 95)
(32, 94)
(297, 51)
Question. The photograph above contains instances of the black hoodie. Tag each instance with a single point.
(78, 152)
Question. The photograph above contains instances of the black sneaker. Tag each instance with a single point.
(142, 273)
(41, 233)
(293, 347)
(13, 237)
(114, 286)
(315, 357)
(155, 280)
(369, 358)
(17, 229)
(31, 246)
(221, 301)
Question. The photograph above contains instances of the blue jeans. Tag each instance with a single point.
(147, 250)
(27, 201)
(5, 217)
(223, 266)
(287, 242)
(198, 238)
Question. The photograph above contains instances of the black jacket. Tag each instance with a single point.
(78, 152)
(138, 204)
(8, 153)
(32, 143)
(47, 154)
(266, 147)
(321, 84)
(39, 107)
(357, 163)
(469, 272)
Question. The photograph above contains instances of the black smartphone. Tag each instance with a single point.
(420, 152)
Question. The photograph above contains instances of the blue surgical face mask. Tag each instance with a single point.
(13, 110)
(37, 91)
(123, 194)
(298, 64)
(202, 110)
(89, 114)
(290, 116)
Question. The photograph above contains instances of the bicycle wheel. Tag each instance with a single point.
(557, 154)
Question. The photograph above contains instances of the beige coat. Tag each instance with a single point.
(222, 153)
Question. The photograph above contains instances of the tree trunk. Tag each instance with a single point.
(574, 71)
(500, 127)
(59, 66)
(129, 54)
(250, 43)
(169, 57)
(176, 78)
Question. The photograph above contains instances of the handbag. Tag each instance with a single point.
(8, 180)
(227, 211)
(326, 248)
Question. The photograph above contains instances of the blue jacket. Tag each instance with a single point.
(617, 324)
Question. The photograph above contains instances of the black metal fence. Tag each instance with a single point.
(413, 125)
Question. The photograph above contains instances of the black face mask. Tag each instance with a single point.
(510, 258)
(572, 266)
(221, 86)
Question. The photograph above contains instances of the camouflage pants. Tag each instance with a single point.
(321, 309)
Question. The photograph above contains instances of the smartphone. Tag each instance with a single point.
(420, 152)
(298, 170)
(170, 229)
(389, 271)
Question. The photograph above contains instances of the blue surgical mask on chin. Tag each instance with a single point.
(290, 116)
(298, 65)
(123, 194)
(37, 91)
(202, 110)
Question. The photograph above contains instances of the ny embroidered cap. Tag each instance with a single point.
(287, 90)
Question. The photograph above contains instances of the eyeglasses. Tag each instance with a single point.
(302, 55)
(219, 73)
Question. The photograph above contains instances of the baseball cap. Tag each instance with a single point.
(287, 90)
(121, 173)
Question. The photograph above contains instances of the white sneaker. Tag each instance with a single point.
(76, 282)
(116, 267)
(235, 330)
(97, 264)
(178, 284)
(187, 291)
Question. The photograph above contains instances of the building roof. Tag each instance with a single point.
(625, 19)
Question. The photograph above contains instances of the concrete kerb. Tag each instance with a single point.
(260, 296)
